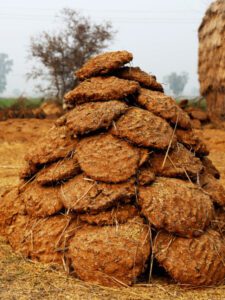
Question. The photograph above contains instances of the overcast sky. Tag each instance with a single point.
(161, 34)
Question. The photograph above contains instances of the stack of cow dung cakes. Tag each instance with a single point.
(197, 115)
(119, 178)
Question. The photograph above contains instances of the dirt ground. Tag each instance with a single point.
(22, 279)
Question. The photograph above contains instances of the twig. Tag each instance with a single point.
(170, 143)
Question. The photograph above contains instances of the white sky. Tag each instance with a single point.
(162, 34)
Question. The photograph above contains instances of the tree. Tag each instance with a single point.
(5, 68)
(177, 82)
(65, 51)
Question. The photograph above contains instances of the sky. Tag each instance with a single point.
(162, 34)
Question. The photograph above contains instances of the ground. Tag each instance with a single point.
(22, 279)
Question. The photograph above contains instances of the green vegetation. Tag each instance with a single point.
(20, 102)
(198, 102)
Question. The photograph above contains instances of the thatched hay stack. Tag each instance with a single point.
(211, 66)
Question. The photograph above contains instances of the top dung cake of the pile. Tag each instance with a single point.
(103, 64)
(101, 89)
(135, 73)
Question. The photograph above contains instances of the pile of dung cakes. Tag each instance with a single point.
(197, 115)
(120, 178)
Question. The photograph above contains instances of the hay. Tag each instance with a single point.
(24, 279)
(211, 58)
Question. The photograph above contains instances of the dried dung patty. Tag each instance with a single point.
(103, 64)
(56, 144)
(218, 222)
(176, 205)
(117, 215)
(136, 74)
(179, 162)
(192, 142)
(82, 194)
(41, 201)
(197, 113)
(163, 106)
(11, 204)
(209, 167)
(19, 234)
(146, 175)
(107, 158)
(50, 238)
(101, 89)
(28, 170)
(59, 171)
(144, 156)
(144, 129)
(89, 117)
(196, 124)
(213, 188)
(111, 255)
(195, 261)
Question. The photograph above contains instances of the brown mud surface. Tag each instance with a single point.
(23, 279)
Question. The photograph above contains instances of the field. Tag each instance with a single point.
(23, 279)
(28, 103)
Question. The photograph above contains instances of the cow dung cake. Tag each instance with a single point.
(120, 178)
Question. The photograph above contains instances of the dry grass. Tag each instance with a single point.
(23, 279)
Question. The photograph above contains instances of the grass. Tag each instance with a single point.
(20, 102)
(198, 102)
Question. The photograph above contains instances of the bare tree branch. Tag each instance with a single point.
(59, 54)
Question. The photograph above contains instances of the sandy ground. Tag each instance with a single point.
(22, 279)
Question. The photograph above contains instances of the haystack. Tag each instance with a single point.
(211, 66)
(119, 178)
